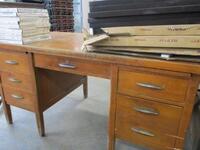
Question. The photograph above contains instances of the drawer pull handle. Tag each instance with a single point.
(17, 96)
(70, 66)
(11, 62)
(150, 86)
(14, 80)
(143, 132)
(146, 110)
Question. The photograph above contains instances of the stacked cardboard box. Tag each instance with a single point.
(61, 15)
(23, 25)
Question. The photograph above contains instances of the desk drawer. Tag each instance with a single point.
(152, 140)
(153, 115)
(72, 65)
(14, 62)
(19, 81)
(149, 124)
(153, 85)
(19, 98)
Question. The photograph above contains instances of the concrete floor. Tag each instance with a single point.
(71, 124)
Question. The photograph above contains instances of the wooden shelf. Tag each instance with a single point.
(20, 5)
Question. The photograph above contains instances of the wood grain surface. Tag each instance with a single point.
(69, 45)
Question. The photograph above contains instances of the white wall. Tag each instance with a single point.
(85, 9)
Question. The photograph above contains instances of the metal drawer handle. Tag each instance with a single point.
(144, 110)
(14, 80)
(17, 96)
(11, 62)
(150, 86)
(143, 132)
(70, 66)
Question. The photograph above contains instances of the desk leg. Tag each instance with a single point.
(7, 112)
(112, 117)
(187, 111)
(40, 123)
(85, 87)
(38, 110)
(6, 107)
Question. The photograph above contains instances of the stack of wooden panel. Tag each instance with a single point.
(171, 42)
(111, 13)
(166, 29)
(61, 15)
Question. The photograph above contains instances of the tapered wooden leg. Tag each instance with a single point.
(40, 123)
(7, 112)
(111, 143)
(85, 87)
(6, 107)
(112, 117)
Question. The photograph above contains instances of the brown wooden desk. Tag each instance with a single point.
(151, 100)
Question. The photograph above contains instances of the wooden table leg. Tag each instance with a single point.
(40, 123)
(7, 112)
(111, 126)
(85, 87)
(6, 107)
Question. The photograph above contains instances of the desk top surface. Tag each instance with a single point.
(69, 45)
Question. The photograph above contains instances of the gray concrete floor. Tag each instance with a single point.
(71, 124)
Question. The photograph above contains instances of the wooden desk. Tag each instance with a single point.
(151, 100)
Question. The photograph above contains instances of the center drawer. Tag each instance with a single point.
(72, 65)
(153, 86)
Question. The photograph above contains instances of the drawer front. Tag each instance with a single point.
(72, 65)
(152, 115)
(15, 62)
(144, 137)
(19, 98)
(19, 81)
(152, 86)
